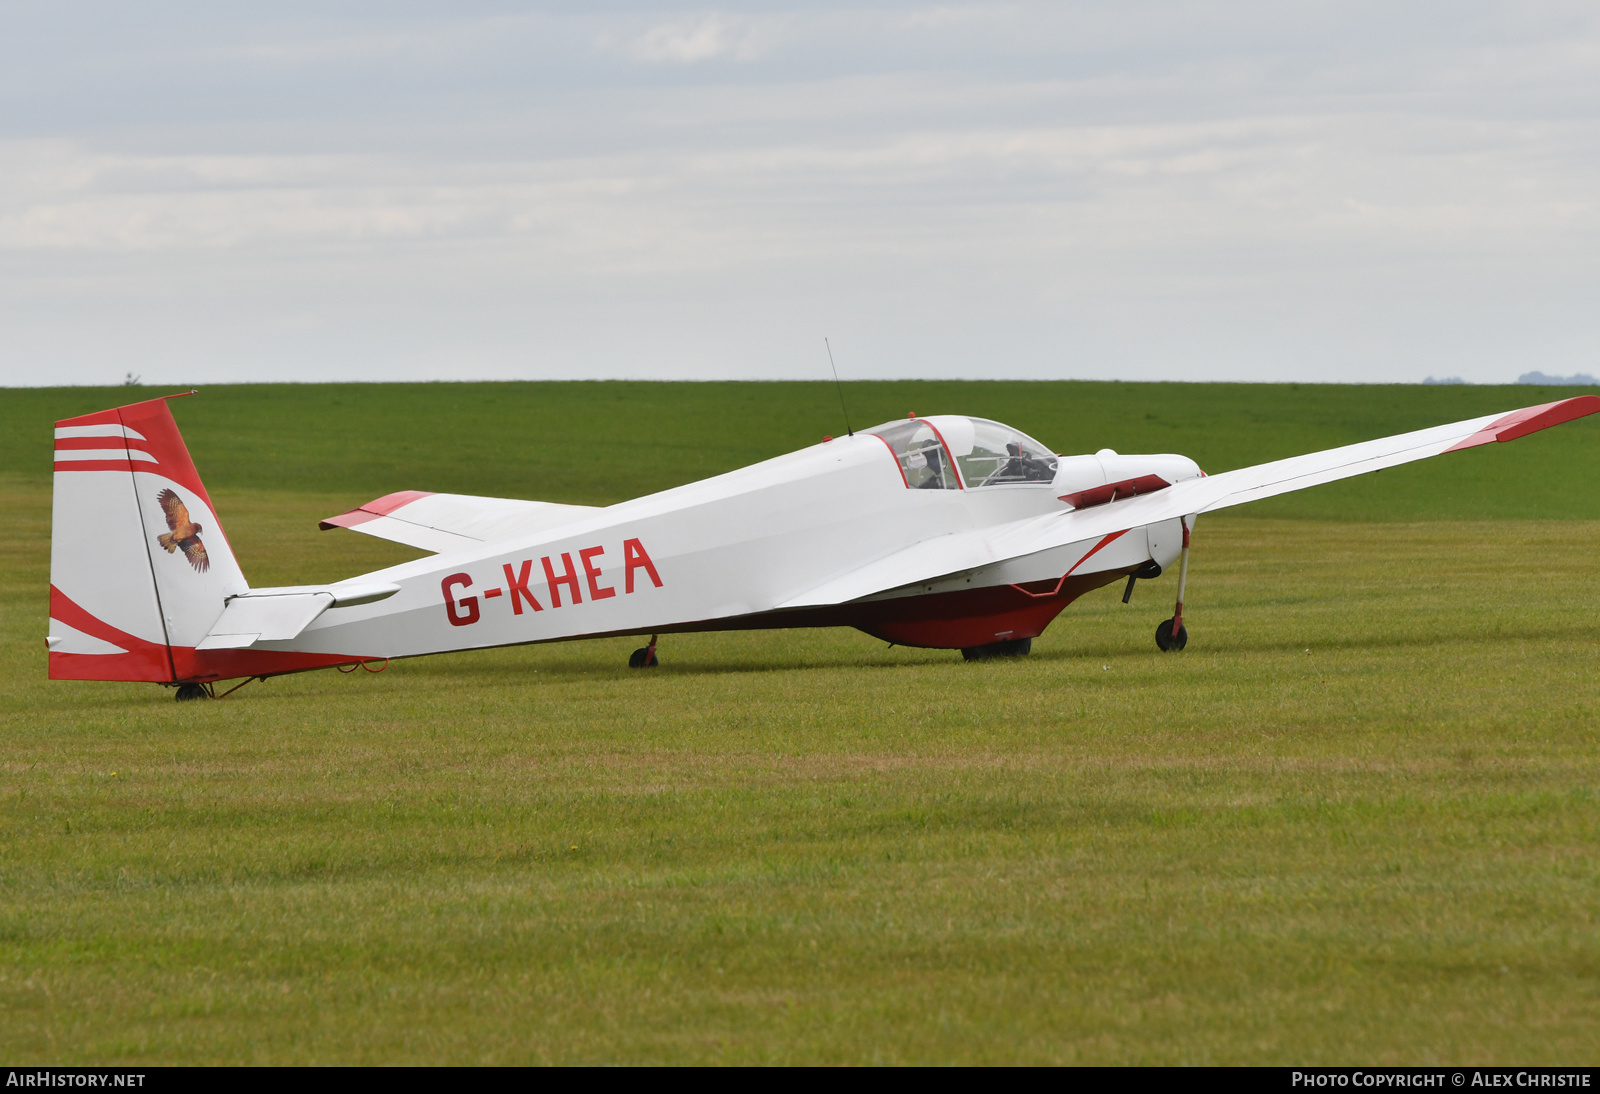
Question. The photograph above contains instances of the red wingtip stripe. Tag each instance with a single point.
(387, 504)
(372, 510)
(1519, 423)
(347, 520)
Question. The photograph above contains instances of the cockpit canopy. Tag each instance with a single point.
(948, 452)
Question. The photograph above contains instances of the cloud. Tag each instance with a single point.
(1022, 189)
(702, 39)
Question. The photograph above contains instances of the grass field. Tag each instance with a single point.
(1358, 820)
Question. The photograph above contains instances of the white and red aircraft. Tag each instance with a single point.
(946, 531)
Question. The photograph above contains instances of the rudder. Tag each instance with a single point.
(140, 568)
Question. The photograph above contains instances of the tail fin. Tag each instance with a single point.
(139, 565)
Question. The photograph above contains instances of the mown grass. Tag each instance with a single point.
(1356, 821)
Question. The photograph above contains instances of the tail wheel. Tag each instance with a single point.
(1167, 641)
(1005, 648)
(643, 658)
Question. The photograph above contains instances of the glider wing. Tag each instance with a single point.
(449, 522)
(946, 555)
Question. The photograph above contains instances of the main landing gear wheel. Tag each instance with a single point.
(1005, 648)
(191, 691)
(1168, 641)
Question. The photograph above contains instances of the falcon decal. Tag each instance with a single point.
(185, 534)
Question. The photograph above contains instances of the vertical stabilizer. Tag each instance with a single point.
(139, 566)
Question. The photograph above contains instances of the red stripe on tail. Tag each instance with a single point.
(144, 661)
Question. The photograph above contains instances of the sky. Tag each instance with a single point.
(1317, 192)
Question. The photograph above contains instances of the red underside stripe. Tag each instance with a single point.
(1075, 565)
(193, 664)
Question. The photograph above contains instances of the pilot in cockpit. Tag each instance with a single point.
(1023, 466)
(957, 451)
(935, 469)
(925, 463)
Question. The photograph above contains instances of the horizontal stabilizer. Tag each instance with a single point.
(277, 615)
(451, 522)
(250, 619)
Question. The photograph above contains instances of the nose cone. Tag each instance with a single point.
(1168, 466)
(1083, 481)
(1175, 468)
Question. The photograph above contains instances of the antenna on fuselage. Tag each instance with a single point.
(837, 386)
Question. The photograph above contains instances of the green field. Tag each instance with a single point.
(1357, 821)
